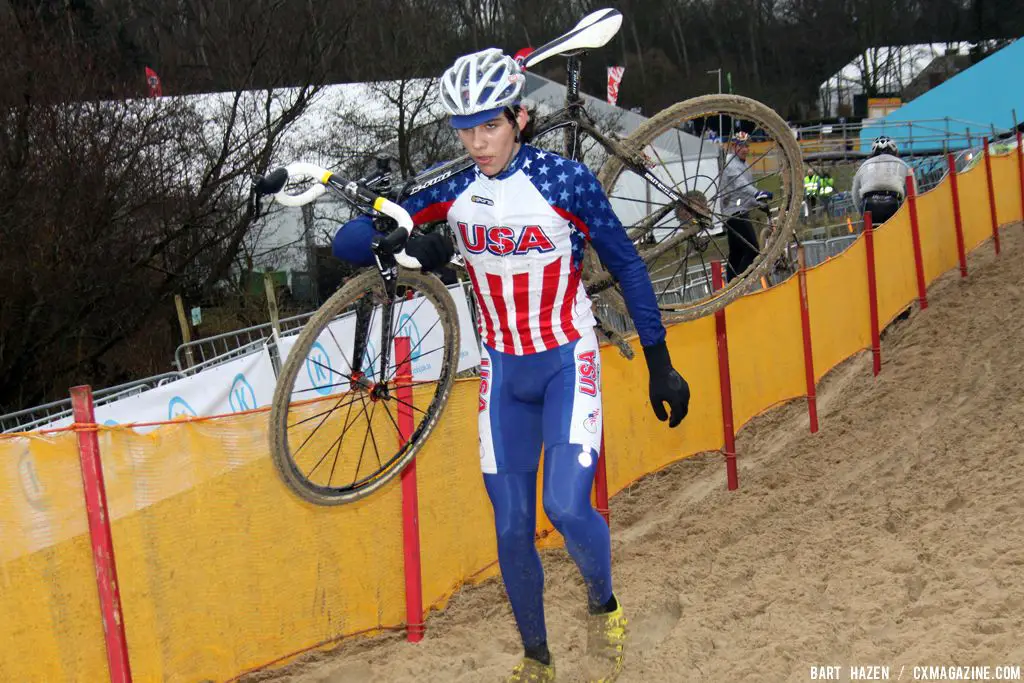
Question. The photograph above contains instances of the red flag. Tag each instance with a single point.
(614, 78)
(153, 81)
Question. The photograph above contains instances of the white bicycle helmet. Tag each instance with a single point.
(479, 86)
(884, 144)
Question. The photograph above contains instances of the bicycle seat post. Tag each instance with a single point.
(573, 104)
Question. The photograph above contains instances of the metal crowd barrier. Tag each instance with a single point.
(31, 418)
(221, 345)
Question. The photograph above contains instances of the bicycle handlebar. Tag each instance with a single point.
(300, 170)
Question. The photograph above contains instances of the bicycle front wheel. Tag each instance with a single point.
(363, 386)
(681, 235)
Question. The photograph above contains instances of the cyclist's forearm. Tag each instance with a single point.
(628, 269)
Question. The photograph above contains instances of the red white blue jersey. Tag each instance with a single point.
(522, 235)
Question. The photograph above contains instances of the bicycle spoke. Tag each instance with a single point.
(329, 368)
(725, 224)
(391, 417)
(665, 166)
(406, 403)
(344, 355)
(322, 386)
(425, 353)
(325, 413)
(413, 348)
(337, 454)
(363, 449)
(719, 250)
(705, 268)
(373, 440)
(669, 284)
(338, 439)
(682, 161)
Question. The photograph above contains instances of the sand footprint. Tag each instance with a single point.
(653, 625)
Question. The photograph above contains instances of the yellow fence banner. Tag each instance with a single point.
(223, 570)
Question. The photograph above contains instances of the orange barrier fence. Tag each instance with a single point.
(220, 569)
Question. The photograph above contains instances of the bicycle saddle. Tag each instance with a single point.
(593, 31)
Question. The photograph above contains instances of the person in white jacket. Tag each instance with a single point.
(880, 182)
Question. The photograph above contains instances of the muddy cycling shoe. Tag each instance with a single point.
(532, 671)
(606, 640)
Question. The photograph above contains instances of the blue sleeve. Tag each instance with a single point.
(351, 243)
(617, 253)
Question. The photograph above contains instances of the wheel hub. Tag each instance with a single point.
(379, 392)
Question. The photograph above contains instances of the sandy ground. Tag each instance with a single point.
(894, 537)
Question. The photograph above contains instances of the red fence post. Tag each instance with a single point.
(99, 534)
(991, 197)
(1020, 171)
(601, 483)
(410, 498)
(957, 221)
(725, 382)
(876, 345)
(805, 327)
(915, 232)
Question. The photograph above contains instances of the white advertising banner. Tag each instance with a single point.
(230, 387)
(248, 382)
(328, 364)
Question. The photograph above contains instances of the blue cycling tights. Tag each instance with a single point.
(567, 489)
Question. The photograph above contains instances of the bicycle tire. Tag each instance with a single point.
(669, 119)
(438, 295)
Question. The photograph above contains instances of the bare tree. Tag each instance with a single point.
(114, 205)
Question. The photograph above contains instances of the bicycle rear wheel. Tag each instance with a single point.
(336, 422)
(679, 239)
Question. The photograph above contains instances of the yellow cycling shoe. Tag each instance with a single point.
(606, 640)
(532, 671)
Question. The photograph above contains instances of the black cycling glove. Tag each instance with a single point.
(667, 385)
(433, 249)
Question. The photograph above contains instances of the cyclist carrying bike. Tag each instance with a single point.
(522, 217)
(880, 183)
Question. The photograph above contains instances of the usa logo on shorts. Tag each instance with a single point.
(586, 366)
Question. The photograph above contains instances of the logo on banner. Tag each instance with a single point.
(318, 367)
(242, 396)
(407, 328)
(178, 407)
(30, 484)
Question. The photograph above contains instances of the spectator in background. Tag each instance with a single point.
(880, 183)
(826, 190)
(739, 196)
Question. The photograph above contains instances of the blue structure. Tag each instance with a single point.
(973, 100)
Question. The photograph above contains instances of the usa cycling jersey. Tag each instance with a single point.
(522, 234)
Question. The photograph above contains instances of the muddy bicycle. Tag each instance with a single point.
(335, 419)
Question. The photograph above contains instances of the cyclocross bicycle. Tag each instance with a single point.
(336, 427)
